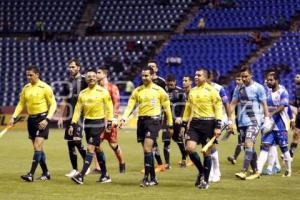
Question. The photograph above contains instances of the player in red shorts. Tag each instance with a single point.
(112, 137)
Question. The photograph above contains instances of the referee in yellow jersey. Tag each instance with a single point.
(95, 105)
(40, 102)
(149, 98)
(204, 108)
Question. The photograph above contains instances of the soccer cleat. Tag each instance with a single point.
(105, 179)
(267, 172)
(167, 166)
(44, 177)
(72, 173)
(78, 179)
(182, 163)
(203, 185)
(87, 171)
(122, 168)
(96, 171)
(253, 176)
(241, 175)
(287, 174)
(144, 182)
(160, 168)
(231, 159)
(28, 177)
(198, 180)
(276, 170)
(153, 182)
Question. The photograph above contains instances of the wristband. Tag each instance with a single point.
(184, 124)
(109, 125)
(170, 126)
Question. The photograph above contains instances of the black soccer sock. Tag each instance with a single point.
(237, 151)
(248, 158)
(148, 161)
(43, 164)
(101, 161)
(80, 148)
(87, 162)
(182, 150)
(35, 161)
(293, 148)
(72, 154)
(253, 162)
(157, 154)
(196, 160)
(207, 167)
(167, 151)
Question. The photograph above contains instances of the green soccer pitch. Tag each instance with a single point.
(177, 183)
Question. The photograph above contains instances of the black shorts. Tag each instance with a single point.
(201, 131)
(176, 135)
(249, 133)
(298, 121)
(148, 127)
(93, 128)
(33, 126)
(77, 133)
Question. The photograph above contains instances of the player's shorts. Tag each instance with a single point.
(77, 133)
(33, 126)
(148, 127)
(298, 121)
(249, 133)
(176, 135)
(111, 137)
(275, 137)
(201, 130)
(93, 128)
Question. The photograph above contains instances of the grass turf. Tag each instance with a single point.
(16, 154)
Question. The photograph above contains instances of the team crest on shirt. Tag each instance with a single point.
(91, 140)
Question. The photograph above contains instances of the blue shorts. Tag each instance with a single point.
(276, 137)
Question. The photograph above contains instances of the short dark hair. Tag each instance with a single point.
(105, 71)
(148, 68)
(246, 68)
(206, 71)
(152, 61)
(274, 74)
(76, 60)
(91, 69)
(33, 68)
(188, 76)
(171, 77)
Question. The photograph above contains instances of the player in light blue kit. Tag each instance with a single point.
(278, 101)
(252, 98)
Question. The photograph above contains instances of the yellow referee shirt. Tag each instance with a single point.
(149, 99)
(38, 98)
(93, 103)
(203, 102)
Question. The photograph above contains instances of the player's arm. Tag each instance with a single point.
(217, 104)
(166, 104)
(284, 102)
(131, 104)
(51, 102)
(19, 108)
(115, 97)
(186, 115)
(109, 110)
(61, 112)
(76, 114)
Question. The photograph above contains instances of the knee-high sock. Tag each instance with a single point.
(196, 160)
(44, 164)
(293, 148)
(253, 162)
(119, 154)
(207, 167)
(35, 161)
(157, 154)
(87, 162)
(80, 148)
(72, 154)
(215, 163)
(182, 150)
(101, 160)
(247, 158)
(237, 151)
(262, 158)
(148, 164)
(273, 155)
(167, 151)
(288, 160)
